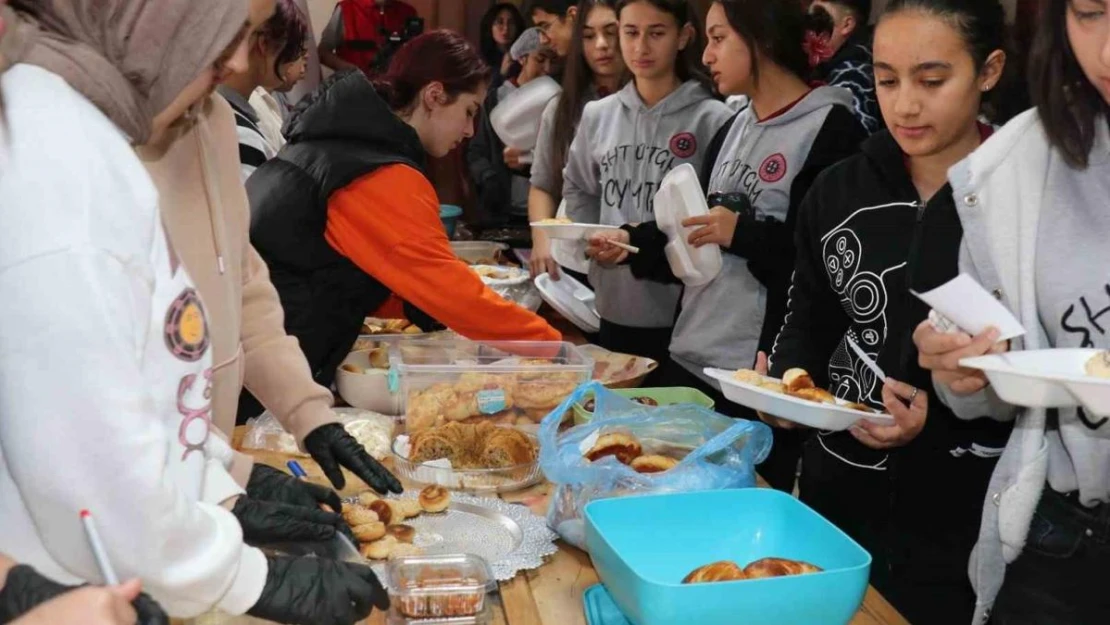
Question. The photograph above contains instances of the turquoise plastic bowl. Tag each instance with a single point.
(643, 546)
(449, 214)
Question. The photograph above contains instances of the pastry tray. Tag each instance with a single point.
(486, 481)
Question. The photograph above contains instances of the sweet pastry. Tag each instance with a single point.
(624, 446)
(653, 464)
(778, 567)
(358, 515)
(723, 571)
(368, 497)
(435, 499)
(819, 395)
(388, 511)
(403, 533)
(796, 380)
(748, 376)
(473, 446)
(1099, 365)
(368, 532)
(380, 549)
(410, 507)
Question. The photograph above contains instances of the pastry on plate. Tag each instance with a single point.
(1099, 365)
(796, 380)
(410, 507)
(368, 532)
(388, 511)
(435, 499)
(355, 514)
(653, 464)
(624, 447)
(403, 533)
(723, 571)
(380, 549)
(818, 395)
(748, 376)
(778, 567)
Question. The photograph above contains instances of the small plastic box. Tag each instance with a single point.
(484, 618)
(513, 383)
(439, 587)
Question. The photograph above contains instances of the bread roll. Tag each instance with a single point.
(653, 464)
(403, 533)
(624, 447)
(778, 567)
(435, 499)
(358, 515)
(369, 532)
(818, 395)
(797, 379)
(723, 571)
(379, 549)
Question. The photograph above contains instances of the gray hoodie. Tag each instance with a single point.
(620, 154)
(770, 166)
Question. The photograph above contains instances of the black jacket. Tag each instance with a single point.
(851, 68)
(864, 239)
(340, 133)
(485, 162)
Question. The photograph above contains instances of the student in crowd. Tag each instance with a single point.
(501, 25)
(359, 30)
(1036, 219)
(313, 73)
(503, 191)
(624, 146)
(847, 59)
(206, 216)
(345, 226)
(129, 434)
(871, 229)
(594, 69)
(28, 598)
(757, 171)
(555, 19)
(277, 48)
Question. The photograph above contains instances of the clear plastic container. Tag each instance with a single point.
(500, 382)
(443, 586)
(483, 618)
(479, 252)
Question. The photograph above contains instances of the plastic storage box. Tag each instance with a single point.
(642, 548)
(479, 252)
(502, 382)
(583, 413)
(437, 587)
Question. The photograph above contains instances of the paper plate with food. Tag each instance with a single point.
(563, 228)
(794, 398)
(1050, 378)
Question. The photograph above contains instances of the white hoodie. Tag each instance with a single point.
(104, 369)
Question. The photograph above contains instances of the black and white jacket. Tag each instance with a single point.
(851, 68)
(254, 149)
(863, 240)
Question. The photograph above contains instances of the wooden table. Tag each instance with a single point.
(552, 594)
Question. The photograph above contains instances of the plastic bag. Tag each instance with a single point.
(372, 430)
(717, 452)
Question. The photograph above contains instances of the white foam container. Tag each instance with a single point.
(1047, 378)
(516, 119)
(569, 254)
(571, 299)
(680, 197)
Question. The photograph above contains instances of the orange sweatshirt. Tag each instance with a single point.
(387, 223)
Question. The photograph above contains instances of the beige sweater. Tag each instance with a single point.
(207, 217)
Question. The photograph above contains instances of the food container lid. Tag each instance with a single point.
(680, 197)
(442, 355)
(482, 618)
(570, 298)
(432, 575)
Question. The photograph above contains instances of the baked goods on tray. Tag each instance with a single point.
(386, 536)
(473, 446)
(500, 398)
(728, 571)
(796, 383)
(627, 449)
(1099, 365)
(389, 326)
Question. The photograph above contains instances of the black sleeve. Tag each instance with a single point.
(483, 161)
(650, 263)
(421, 319)
(814, 320)
(769, 244)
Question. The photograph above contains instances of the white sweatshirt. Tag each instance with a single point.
(104, 369)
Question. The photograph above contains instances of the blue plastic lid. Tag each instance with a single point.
(449, 210)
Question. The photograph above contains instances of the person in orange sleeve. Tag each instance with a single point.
(346, 218)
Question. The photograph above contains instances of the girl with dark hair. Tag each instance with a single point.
(757, 170)
(594, 69)
(277, 49)
(1034, 206)
(501, 25)
(625, 145)
(872, 228)
(345, 225)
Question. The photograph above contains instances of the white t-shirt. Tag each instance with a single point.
(104, 369)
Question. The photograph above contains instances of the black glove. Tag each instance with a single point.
(317, 591)
(25, 590)
(331, 446)
(266, 522)
(269, 484)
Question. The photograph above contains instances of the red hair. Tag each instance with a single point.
(442, 56)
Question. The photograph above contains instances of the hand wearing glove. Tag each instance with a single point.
(269, 484)
(25, 589)
(331, 446)
(317, 591)
(266, 522)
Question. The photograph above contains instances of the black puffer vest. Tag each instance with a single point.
(340, 133)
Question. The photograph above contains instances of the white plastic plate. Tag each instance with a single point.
(680, 197)
(1047, 378)
(516, 119)
(572, 232)
(571, 299)
(813, 414)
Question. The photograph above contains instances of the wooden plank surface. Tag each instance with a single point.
(552, 594)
